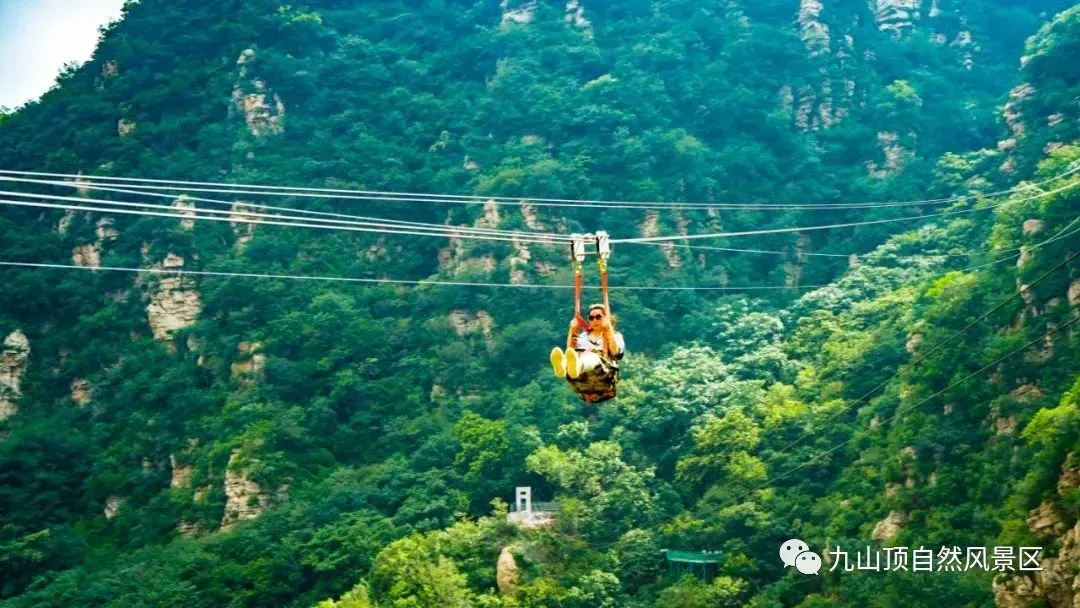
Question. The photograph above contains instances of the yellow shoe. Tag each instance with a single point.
(558, 362)
(573, 368)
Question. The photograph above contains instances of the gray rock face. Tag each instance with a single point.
(244, 499)
(14, 359)
(87, 255)
(1033, 226)
(181, 473)
(1057, 585)
(174, 304)
(82, 392)
(887, 529)
(1044, 521)
(507, 574)
(814, 33)
(112, 505)
(185, 207)
(263, 109)
(240, 216)
(516, 12)
(894, 152)
(895, 16)
(1074, 293)
(575, 15)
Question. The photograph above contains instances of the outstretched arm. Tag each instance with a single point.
(570, 334)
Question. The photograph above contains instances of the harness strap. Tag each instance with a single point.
(577, 256)
(582, 324)
(607, 304)
(603, 252)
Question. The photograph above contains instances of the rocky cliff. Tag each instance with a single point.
(14, 359)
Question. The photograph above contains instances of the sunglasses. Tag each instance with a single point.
(595, 317)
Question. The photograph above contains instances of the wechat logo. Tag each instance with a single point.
(796, 553)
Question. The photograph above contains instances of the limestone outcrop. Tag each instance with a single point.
(515, 12)
(244, 499)
(1033, 226)
(887, 529)
(894, 153)
(507, 575)
(185, 207)
(181, 473)
(896, 16)
(112, 505)
(82, 392)
(454, 257)
(575, 15)
(88, 255)
(243, 230)
(263, 109)
(175, 303)
(651, 228)
(913, 342)
(252, 361)
(466, 323)
(1014, 119)
(519, 261)
(1057, 585)
(14, 359)
(814, 33)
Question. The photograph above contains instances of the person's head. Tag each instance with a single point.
(599, 311)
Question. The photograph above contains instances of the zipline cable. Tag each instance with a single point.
(900, 412)
(805, 253)
(915, 362)
(430, 282)
(351, 218)
(664, 239)
(465, 232)
(245, 219)
(439, 230)
(1059, 237)
(480, 199)
(476, 200)
(192, 213)
(554, 236)
(419, 282)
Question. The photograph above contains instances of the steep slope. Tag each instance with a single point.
(989, 462)
(206, 441)
(744, 103)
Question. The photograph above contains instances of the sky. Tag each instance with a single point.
(37, 37)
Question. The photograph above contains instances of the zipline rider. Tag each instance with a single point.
(593, 347)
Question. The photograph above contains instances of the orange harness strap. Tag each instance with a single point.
(582, 324)
(607, 303)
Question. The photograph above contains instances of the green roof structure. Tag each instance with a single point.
(699, 563)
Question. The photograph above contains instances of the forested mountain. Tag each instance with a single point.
(202, 440)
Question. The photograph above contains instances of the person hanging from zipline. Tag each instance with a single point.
(594, 348)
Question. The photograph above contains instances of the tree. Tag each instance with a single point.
(409, 574)
(722, 453)
(689, 592)
(616, 495)
(357, 597)
(484, 445)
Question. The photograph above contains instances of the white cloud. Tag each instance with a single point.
(37, 37)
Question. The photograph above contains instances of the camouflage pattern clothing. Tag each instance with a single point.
(599, 376)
